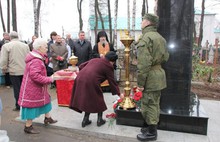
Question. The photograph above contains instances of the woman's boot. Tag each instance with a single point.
(100, 121)
(30, 130)
(86, 120)
(49, 121)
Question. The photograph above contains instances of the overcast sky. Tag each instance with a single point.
(63, 13)
(57, 14)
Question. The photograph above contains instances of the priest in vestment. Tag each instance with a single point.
(100, 49)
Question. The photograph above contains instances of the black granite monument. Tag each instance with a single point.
(180, 108)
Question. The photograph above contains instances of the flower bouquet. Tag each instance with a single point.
(136, 97)
(111, 118)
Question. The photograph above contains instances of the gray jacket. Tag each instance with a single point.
(13, 57)
(83, 52)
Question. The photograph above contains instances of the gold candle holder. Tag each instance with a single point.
(127, 102)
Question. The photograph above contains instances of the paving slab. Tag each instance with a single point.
(69, 119)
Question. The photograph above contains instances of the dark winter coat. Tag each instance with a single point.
(87, 94)
(83, 52)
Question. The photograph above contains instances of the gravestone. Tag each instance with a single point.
(177, 101)
(180, 108)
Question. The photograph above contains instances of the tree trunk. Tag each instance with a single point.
(133, 18)
(128, 10)
(110, 21)
(115, 24)
(147, 7)
(9, 17)
(36, 7)
(2, 19)
(14, 15)
(201, 24)
(38, 16)
(96, 19)
(35, 17)
(194, 32)
(143, 9)
(100, 15)
(155, 7)
(79, 8)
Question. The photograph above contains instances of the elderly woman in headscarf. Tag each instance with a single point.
(87, 94)
(34, 97)
(100, 49)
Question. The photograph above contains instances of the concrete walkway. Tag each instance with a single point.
(69, 119)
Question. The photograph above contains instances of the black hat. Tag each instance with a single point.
(101, 34)
(111, 56)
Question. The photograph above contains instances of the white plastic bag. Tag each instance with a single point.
(3, 136)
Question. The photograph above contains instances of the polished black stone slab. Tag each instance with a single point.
(195, 120)
(176, 26)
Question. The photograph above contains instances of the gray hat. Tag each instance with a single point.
(111, 56)
(154, 19)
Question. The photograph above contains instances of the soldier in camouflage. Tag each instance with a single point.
(151, 79)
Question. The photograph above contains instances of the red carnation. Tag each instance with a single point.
(59, 58)
(115, 105)
(137, 96)
(120, 100)
(135, 89)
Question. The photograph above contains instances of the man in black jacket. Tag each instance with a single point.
(82, 49)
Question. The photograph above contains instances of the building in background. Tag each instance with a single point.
(211, 27)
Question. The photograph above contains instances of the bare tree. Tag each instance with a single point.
(133, 18)
(128, 12)
(110, 21)
(2, 19)
(79, 8)
(115, 24)
(201, 24)
(9, 17)
(155, 7)
(100, 14)
(143, 9)
(96, 19)
(14, 15)
(36, 7)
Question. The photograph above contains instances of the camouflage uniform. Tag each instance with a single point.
(151, 76)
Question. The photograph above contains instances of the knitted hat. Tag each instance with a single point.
(111, 56)
(154, 19)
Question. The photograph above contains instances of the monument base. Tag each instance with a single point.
(194, 120)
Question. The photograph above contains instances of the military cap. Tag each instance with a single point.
(152, 18)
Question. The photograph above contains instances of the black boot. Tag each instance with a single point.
(86, 120)
(100, 121)
(145, 128)
(150, 135)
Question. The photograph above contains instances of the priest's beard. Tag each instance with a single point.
(104, 42)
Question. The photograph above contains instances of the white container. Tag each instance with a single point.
(3, 136)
